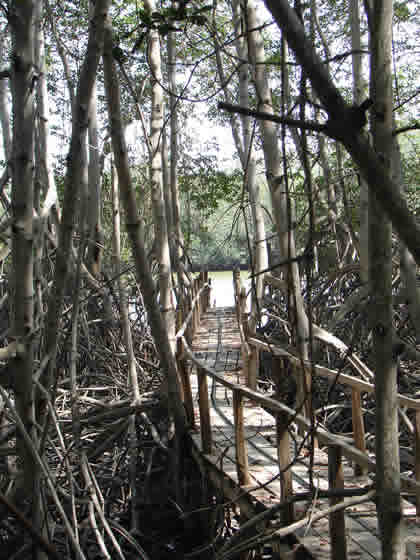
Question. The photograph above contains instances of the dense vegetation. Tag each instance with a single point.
(109, 106)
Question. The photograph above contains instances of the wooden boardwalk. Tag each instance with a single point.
(217, 344)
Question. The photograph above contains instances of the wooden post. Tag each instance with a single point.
(193, 308)
(203, 403)
(182, 368)
(208, 294)
(243, 313)
(284, 459)
(336, 519)
(417, 458)
(358, 428)
(253, 365)
(187, 392)
(198, 304)
(240, 444)
(189, 330)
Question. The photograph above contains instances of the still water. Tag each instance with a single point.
(222, 286)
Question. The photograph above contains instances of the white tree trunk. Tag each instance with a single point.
(125, 321)
(273, 168)
(247, 155)
(160, 225)
(358, 92)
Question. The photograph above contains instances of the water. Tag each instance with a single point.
(222, 286)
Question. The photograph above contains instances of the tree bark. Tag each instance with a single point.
(160, 225)
(358, 91)
(22, 20)
(125, 320)
(381, 311)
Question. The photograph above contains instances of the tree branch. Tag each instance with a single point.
(340, 124)
(413, 126)
(304, 125)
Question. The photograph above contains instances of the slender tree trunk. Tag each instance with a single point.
(358, 91)
(160, 224)
(94, 225)
(380, 277)
(274, 177)
(174, 102)
(125, 321)
(74, 178)
(247, 156)
(136, 235)
(4, 108)
(22, 20)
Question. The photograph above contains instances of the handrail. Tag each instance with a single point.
(323, 371)
(186, 321)
(275, 406)
(337, 445)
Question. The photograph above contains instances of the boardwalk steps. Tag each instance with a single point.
(218, 344)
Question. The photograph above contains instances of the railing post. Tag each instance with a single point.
(336, 519)
(194, 307)
(198, 303)
(284, 460)
(203, 404)
(417, 458)
(240, 444)
(358, 428)
(189, 328)
(182, 367)
(253, 367)
(208, 293)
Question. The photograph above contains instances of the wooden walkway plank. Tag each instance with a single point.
(217, 342)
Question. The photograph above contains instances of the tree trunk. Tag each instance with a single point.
(178, 249)
(273, 168)
(136, 235)
(125, 321)
(73, 181)
(247, 156)
(358, 92)
(381, 312)
(94, 225)
(22, 19)
(160, 226)
(4, 109)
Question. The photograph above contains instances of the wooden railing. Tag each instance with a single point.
(188, 320)
(288, 360)
(338, 446)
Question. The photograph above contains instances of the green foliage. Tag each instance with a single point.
(164, 20)
(207, 186)
(401, 11)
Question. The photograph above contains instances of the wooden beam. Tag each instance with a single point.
(336, 519)
(324, 437)
(203, 404)
(417, 460)
(358, 428)
(334, 375)
(240, 443)
(284, 459)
